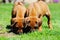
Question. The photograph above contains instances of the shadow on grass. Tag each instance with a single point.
(26, 30)
(15, 29)
(12, 29)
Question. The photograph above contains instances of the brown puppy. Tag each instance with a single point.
(14, 10)
(19, 19)
(35, 13)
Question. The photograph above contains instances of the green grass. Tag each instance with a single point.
(46, 34)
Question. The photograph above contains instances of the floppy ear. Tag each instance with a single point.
(13, 13)
(13, 20)
(13, 24)
(26, 13)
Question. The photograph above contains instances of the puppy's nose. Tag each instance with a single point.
(36, 26)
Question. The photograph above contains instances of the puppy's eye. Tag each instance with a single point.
(36, 22)
(28, 21)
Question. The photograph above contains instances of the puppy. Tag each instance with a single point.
(14, 10)
(18, 21)
(35, 13)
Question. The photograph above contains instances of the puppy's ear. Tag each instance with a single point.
(13, 24)
(13, 14)
(26, 13)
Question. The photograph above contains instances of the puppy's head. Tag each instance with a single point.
(32, 22)
(19, 22)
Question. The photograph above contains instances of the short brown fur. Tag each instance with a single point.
(35, 13)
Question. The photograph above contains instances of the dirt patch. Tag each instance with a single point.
(1, 28)
(7, 34)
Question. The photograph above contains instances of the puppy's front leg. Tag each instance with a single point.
(40, 28)
(40, 23)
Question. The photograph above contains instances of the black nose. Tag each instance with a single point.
(28, 26)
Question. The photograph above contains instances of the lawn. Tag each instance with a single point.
(46, 34)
